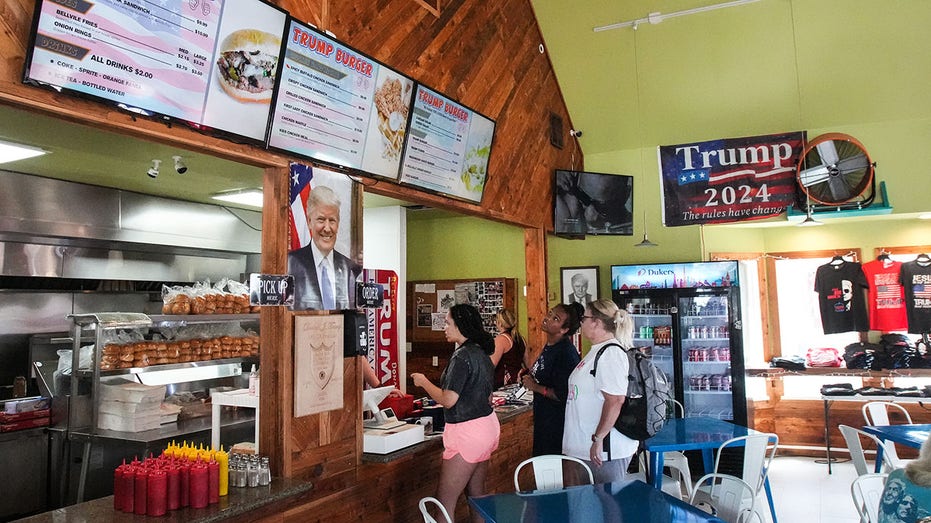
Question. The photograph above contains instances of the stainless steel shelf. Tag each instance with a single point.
(170, 430)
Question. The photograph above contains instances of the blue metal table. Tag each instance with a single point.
(698, 433)
(908, 435)
(628, 501)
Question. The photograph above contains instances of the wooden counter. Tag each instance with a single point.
(240, 505)
(386, 489)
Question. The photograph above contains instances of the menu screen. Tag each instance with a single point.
(448, 147)
(196, 60)
(338, 106)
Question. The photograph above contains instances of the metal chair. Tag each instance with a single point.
(677, 461)
(858, 456)
(427, 518)
(547, 471)
(877, 413)
(758, 453)
(725, 496)
(867, 491)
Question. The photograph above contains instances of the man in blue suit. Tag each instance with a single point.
(323, 278)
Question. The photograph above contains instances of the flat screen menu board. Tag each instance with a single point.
(201, 61)
(447, 148)
(338, 106)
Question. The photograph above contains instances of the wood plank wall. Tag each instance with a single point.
(484, 54)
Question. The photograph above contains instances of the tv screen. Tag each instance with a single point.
(191, 61)
(338, 106)
(593, 203)
(448, 147)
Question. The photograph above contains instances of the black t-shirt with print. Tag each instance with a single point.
(841, 297)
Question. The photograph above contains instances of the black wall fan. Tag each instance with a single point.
(835, 171)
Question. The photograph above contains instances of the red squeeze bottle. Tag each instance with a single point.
(139, 490)
(157, 495)
(199, 485)
(174, 486)
(119, 489)
(185, 494)
(213, 482)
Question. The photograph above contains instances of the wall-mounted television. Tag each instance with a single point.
(337, 106)
(592, 203)
(448, 147)
(207, 63)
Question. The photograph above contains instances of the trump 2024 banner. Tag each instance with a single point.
(729, 180)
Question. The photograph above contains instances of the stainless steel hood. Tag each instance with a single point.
(58, 229)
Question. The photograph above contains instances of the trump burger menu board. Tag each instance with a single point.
(448, 147)
(338, 106)
(209, 62)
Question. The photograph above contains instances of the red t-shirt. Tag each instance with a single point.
(886, 295)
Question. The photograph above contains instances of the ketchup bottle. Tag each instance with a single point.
(185, 497)
(213, 482)
(199, 485)
(140, 485)
(119, 487)
(157, 492)
(174, 486)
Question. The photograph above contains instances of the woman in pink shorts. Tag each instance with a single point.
(472, 429)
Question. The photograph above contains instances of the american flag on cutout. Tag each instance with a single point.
(297, 204)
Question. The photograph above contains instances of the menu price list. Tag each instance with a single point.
(139, 54)
(448, 147)
(339, 106)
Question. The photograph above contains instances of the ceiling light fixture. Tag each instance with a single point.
(153, 171)
(11, 152)
(646, 241)
(251, 197)
(655, 18)
(180, 166)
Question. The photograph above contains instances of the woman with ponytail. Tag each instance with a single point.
(595, 399)
(472, 431)
(508, 357)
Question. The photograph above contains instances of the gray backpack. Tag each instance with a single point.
(644, 411)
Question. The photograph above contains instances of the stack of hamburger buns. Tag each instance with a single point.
(139, 354)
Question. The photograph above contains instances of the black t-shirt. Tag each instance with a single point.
(841, 296)
(916, 281)
(552, 369)
(471, 375)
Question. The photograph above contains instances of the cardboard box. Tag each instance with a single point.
(25, 424)
(26, 404)
(21, 416)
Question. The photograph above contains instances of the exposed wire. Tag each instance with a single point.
(238, 217)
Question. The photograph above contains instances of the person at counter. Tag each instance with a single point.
(596, 398)
(370, 378)
(472, 430)
(324, 279)
(549, 377)
(508, 357)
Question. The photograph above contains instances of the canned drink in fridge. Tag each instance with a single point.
(695, 382)
(726, 382)
(713, 354)
(724, 353)
(715, 382)
(705, 382)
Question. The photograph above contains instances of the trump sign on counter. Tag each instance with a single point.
(729, 180)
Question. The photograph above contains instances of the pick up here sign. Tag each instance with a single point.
(729, 180)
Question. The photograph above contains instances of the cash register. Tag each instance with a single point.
(383, 433)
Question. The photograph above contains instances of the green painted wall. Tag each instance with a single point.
(454, 248)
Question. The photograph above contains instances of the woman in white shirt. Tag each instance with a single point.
(595, 398)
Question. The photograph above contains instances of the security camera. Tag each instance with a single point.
(179, 165)
(573, 132)
(153, 171)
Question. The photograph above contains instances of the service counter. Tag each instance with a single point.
(382, 488)
(242, 504)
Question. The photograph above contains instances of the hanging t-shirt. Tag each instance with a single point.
(886, 295)
(840, 295)
(915, 277)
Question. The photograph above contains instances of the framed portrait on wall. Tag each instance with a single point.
(579, 284)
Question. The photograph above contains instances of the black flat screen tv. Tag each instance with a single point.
(592, 203)
(338, 106)
(448, 147)
(212, 64)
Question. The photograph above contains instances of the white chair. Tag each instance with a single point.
(867, 491)
(670, 485)
(852, 436)
(677, 461)
(427, 518)
(877, 413)
(758, 453)
(725, 496)
(547, 471)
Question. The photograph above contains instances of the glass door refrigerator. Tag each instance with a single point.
(687, 316)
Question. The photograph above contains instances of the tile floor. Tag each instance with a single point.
(805, 493)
